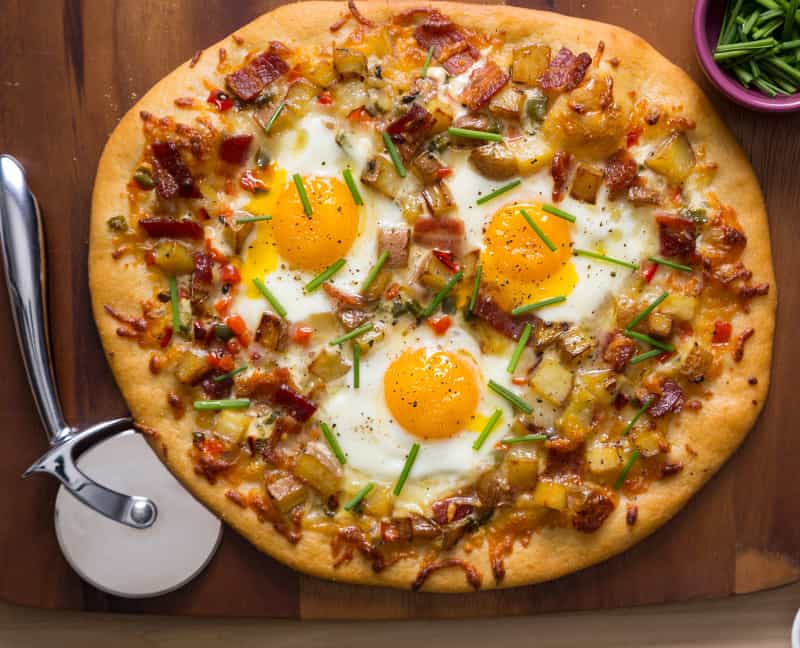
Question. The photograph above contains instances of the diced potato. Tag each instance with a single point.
(586, 183)
(529, 63)
(575, 342)
(521, 467)
(412, 206)
(551, 380)
(551, 495)
(532, 154)
(349, 62)
(287, 492)
(438, 198)
(659, 324)
(442, 116)
(349, 95)
(674, 158)
(376, 43)
(320, 72)
(603, 459)
(427, 166)
(598, 385)
(696, 363)
(474, 121)
(381, 99)
(380, 174)
(680, 307)
(507, 103)
(328, 365)
(192, 366)
(318, 468)
(649, 441)
(379, 502)
(370, 339)
(232, 425)
(432, 273)
(174, 258)
(494, 160)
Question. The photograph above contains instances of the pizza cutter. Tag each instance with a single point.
(122, 544)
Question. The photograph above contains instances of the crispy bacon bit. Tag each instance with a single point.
(620, 171)
(298, 405)
(488, 310)
(357, 301)
(397, 530)
(472, 575)
(163, 227)
(195, 58)
(757, 290)
(184, 102)
(443, 232)
(730, 272)
(641, 194)
(136, 323)
(593, 512)
(165, 337)
(350, 537)
(203, 266)
(667, 470)
(338, 24)
(484, 83)
(450, 45)
(249, 81)
(266, 511)
(412, 127)
(677, 235)
(175, 402)
(722, 332)
(173, 177)
(670, 399)
(566, 71)
(250, 183)
(351, 5)
(632, 514)
(452, 509)
(236, 497)
(738, 347)
(210, 466)
(234, 149)
(395, 241)
(619, 350)
(559, 169)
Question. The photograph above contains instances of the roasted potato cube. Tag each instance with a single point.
(432, 273)
(287, 492)
(551, 495)
(521, 467)
(349, 95)
(575, 342)
(494, 160)
(298, 97)
(679, 307)
(696, 363)
(329, 365)
(442, 116)
(379, 502)
(318, 468)
(585, 183)
(649, 441)
(529, 62)
(272, 332)
(412, 206)
(485, 123)
(659, 324)
(603, 459)
(438, 198)
(349, 62)
(174, 258)
(380, 174)
(320, 72)
(192, 366)
(551, 380)
(674, 158)
(507, 103)
(427, 166)
(531, 153)
(368, 340)
(232, 425)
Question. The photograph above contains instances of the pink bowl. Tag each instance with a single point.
(706, 24)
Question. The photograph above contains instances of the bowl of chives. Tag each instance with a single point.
(750, 50)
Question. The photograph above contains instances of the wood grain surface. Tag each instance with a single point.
(68, 72)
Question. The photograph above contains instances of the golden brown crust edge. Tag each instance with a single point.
(714, 432)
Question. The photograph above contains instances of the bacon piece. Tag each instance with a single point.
(163, 227)
(559, 169)
(203, 266)
(566, 71)
(443, 232)
(395, 241)
(216, 388)
(353, 537)
(397, 530)
(667, 470)
(351, 5)
(738, 349)
(757, 290)
(484, 83)
(620, 171)
(593, 512)
(619, 350)
(234, 149)
(677, 235)
(450, 45)
(412, 127)
(472, 575)
(452, 509)
(300, 407)
(670, 399)
(488, 310)
(173, 177)
(248, 81)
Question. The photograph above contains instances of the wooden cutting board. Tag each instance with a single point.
(70, 69)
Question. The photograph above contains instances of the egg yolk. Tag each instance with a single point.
(518, 266)
(314, 242)
(432, 394)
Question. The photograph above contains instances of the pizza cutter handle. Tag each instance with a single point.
(22, 241)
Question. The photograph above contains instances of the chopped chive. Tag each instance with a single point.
(323, 276)
(412, 456)
(538, 230)
(394, 154)
(469, 133)
(274, 116)
(253, 219)
(373, 273)
(356, 365)
(498, 192)
(351, 185)
(511, 397)
(751, 20)
(524, 439)
(360, 495)
(637, 416)
(427, 63)
(785, 67)
(670, 264)
(352, 334)
(730, 24)
(527, 308)
(226, 403)
(330, 437)
(273, 301)
(439, 297)
(622, 476)
(634, 335)
(653, 305)
(487, 429)
(766, 88)
(230, 374)
(764, 16)
(755, 44)
(789, 19)
(792, 44)
(298, 182)
(555, 211)
(603, 257)
(726, 56)
(645, 356)
(177, 325)
(475, 286)
(523, 340)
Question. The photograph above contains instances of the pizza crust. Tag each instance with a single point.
(713, 432)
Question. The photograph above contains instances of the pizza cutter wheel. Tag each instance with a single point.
(122, 544)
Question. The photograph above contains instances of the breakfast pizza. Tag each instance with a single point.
(436, 296)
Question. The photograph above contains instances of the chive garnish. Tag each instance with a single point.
(523, 340)
(603, 257)
(351, 185)
(511, 397)
(226, 403)
(273, 301)
(360, 495)
(230, 374)
(356, 365)
(333, 443)
(520, 310)
(670, 264)
(253, 219)
(652, 306)
(394, 154)
(352, 334)
(298, 182)
(475, 286)
(323, 276)
(498, 192)
(487, 429)
(177, 325)
(645, 356)
(439, 297)
(412, 456)
(658, 344)
(373, 273)
(427, 63)
(621, 479)
(468, 133)
(524, 439)
(555, 211)
(539, 232)
(274, 116)
(637, 416)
